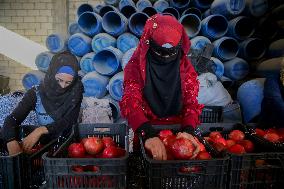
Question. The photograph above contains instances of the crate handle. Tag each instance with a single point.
(80, 169)
(220, 129)
(190, 169)
(101, 130)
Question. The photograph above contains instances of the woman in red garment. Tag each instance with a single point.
(160, 84)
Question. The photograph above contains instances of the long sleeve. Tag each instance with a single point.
(19, 114)
(131, 104)
(273, 103)
(191, 109)
(61, 125)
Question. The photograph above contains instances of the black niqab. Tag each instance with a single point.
(162, 89)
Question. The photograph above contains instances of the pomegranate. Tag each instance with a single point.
(215, 134)
(93, 145)
(271, 137)
(165, 133)
(113, 152)
(236, 135)
(230, 143)
(108, 141)
(237, 149)
(182, 148)
(204, 155)
(76, 150)
(247, 144)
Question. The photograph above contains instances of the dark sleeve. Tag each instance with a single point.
(272, 104)
(147, 130)
(56, 128)
(12, 122)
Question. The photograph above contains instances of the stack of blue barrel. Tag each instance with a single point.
(105, 36)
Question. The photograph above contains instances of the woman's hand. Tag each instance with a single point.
(33, 138)
(14, 147)
(193, 140)
(157, 148)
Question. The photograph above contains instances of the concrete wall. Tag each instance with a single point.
(34, 19)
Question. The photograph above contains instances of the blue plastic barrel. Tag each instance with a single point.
(214, 26)
(127, 8)
(111, 2)
(206, 13)
(85, 7)
(32, 78)
(95, 84)
(73, 28)
(141, 4)
(250, 95)
(137, 22)
(115, 86)
(252, 48)
(225, 48)
(56, 43)
(172, 11)
(161, 5)
(266, 28)
(256, 8)
(228, 8)
(192, 10)
(101, 41)
(42, 61)
(90, 23)
(218, 67)
(199, 42)
(236, 69)
(114, 23)
(114, 105)
(241, 27)
(202, 4)
(107, 8)
(86, 63)
(191, 24)
(126, 57)
(123, 3)
(150, 11)
(276, 48)
(79, 44)
(270, 67)
(180, 4)
(107, 61)
(127, 41)
(97, 8)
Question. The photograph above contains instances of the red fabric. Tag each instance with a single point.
(133, 105)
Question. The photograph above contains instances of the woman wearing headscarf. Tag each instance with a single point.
(56, 102)
(160, 85)
(272, 112)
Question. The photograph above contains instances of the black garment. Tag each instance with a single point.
(27, 104)
(272, 108)
(147, 131)
(162, 89)
(59, 101)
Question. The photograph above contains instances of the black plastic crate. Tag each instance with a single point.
(260, 170)
(22, 170)
(267, 145)
(181, 174)
(109, 173)
(11, 172)
(211, 114)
